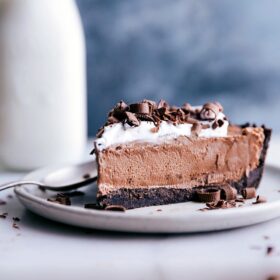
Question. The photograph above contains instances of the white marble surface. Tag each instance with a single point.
(42, 249)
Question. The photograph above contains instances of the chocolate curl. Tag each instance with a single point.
(140, 108)
(208, 195)
(131, 119)
(162, 104)
(119, 208)
(248, 193)
(228, 192)
(209, 111)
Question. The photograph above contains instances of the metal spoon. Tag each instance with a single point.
(63, 179)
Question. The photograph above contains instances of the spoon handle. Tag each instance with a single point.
(18, 183)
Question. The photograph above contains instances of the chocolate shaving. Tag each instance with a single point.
(131, 119)
(248, 193)
(228, 192)
(260, 199)
(208, 195)
(221, 204)
(148, 110)
(115, 208)
(162, 104)
(61, 198)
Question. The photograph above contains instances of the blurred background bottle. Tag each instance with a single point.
(42, 83)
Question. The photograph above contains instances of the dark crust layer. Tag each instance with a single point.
(135, 198)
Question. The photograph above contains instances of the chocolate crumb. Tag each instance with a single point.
(3, 202)
(86, 176)
(221, 204)
(159, 210)
(3, 215)
(15, 226)
(115, 208)
(9, 196)
(269, 250)
(16, 219)
(260, 199)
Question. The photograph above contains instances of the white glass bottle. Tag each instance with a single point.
(42, 83)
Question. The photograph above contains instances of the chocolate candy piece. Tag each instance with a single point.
(248, 193)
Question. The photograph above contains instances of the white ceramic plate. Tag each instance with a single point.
(175, 218)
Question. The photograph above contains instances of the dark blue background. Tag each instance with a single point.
(184, 50)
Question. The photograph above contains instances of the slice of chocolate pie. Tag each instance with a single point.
(152, 154)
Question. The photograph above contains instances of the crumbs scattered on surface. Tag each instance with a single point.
(60, 198)
(2, 202)
(4, 215)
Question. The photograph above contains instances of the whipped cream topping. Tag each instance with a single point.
(120, 133)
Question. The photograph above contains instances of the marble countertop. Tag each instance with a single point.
(42, 249)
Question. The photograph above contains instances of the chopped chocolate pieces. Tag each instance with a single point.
(248, 193)
(3, 215)
(115, 208)
(93, 206)
(131, 119)
(260, 199)
(208, 195)
(228, 192)
(61, 198)
(2, 202)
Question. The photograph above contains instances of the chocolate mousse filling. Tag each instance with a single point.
(171, 170)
